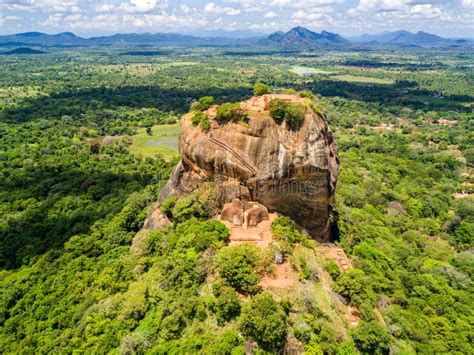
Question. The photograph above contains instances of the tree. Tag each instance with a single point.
(464, 233)
(237, 267)
(229, 342)
(226, 305)
(264, 320)
(371, 338)
(260, 89)
(354, 285)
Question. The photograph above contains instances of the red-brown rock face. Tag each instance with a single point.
(292, 172)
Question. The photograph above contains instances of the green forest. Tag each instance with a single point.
(74, 195)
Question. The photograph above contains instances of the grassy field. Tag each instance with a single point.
(362, 79)
(303, 71)
(163, 140)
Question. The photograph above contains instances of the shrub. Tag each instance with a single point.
(206, 102)
(205, 124)
(201, 119)
(277, 110)
(264, 320)
(196, 119)
(333, 270)
(291, 113)
(464, 234)
(230, 342)
(226, 305)
(289, 91)
(203, 104)
(371, 338)
(354, 285)
(237, 266)
(260, 89)
(285, 229)
(231, 112)
(167, 205)
(307, 94)
(199, 235)
(294, 114)
(190, 206)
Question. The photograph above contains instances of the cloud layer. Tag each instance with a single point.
(348, 17)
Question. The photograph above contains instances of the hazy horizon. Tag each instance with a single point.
(350, 18)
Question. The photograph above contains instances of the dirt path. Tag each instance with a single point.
(284, 277)
(332, 252)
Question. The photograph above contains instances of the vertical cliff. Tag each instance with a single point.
(290, 170)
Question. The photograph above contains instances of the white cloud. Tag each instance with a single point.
(104, 8)
(53, 20)
(270, 15)
(56, 6)
(212, 8)
(261, 5)
(425, 11)
(382, 5)
(308, 16)
(468, 3)
(139, 6)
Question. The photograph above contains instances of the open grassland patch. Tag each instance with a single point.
(362, 79)
(163, 140)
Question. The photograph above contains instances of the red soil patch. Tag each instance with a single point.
(284, 277)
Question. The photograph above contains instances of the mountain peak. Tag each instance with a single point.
(301, 37)
(405, 38)
(31, 34)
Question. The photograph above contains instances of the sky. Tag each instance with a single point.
(347, 17)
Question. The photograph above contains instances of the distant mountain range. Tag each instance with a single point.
(68, 39)
(405, 38)
(22, 50)
(298, 38)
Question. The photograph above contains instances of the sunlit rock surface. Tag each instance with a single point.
(290, 171)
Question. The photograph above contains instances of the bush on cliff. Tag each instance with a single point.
(201, 119)
(260, 89)
(231, 112)
(203, 104)
(290, 112)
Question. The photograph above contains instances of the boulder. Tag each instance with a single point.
(292, 171)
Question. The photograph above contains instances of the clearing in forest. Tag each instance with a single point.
(162, 140)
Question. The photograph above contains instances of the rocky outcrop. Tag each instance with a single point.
(290, 171)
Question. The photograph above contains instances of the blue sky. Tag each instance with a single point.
(347, 17)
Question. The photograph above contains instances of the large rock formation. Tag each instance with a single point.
(290, 171)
